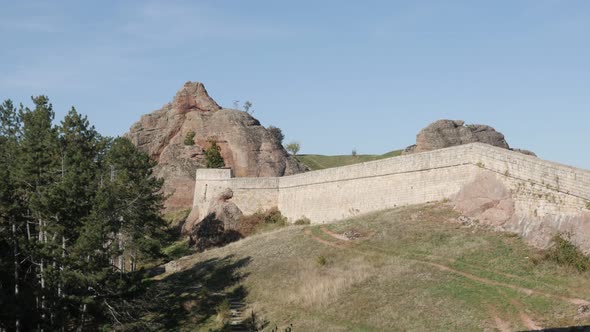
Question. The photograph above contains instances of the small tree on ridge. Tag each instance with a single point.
(293, 147)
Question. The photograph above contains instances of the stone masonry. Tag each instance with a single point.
(541, 197)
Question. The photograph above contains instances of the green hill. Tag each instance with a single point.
(318, 161)
(413, 268)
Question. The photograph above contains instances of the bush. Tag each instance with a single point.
(177, 249)
(189, 139)
(302, 221)
(321, 260)
(253, 223)
(276, 133)
(213, 158)
(565, 253)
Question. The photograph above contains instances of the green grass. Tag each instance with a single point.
(414, 270)
(317, 161)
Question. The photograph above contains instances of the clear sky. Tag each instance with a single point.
(334, 75)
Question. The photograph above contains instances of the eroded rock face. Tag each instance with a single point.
(446, 133)
(220, 226)
(246, 146)
(486, 199)
(490, 202)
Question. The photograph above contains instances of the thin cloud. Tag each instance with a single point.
(22, 24)
(174, 23)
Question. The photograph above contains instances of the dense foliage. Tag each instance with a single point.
(79, 215)
(276, 133)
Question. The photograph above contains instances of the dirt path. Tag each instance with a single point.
(524, 317)
(334, 235)
(501, 325)
(470, 276)
(326, 242)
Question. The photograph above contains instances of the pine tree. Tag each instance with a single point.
(124, 228)
(213, 158)
(79, 214)
(38, 169)
(11, 309)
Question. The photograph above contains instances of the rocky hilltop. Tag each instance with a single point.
(446, 133)
(247, 147)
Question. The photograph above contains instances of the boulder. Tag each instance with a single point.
(446, 133)
(486, 199)
(526, 152)
(220, 226)
(246, 146)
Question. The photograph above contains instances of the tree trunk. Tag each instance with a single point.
(42, 239)
(122, 256)
(16, 276)
(82, 319)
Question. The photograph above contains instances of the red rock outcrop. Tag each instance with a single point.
(246, 146)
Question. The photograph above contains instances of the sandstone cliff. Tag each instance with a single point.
(246, 146)
(446, 133)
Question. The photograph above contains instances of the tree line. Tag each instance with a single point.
(79, 218)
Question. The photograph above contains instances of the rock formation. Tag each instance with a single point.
(220, 226)
(486, 199)
(446, 133)
(246, 146)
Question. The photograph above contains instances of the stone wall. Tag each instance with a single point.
(547, 196)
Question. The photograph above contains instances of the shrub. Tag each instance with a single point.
(276, 133)
(253, 223)
(189, 139)
(321, 260)
(177, 249)
(302, 221)
(213, 158)
(248, 107)
(588, 205)
(565, 253)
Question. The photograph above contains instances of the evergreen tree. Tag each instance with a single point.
(11, 299)
(37, 172)
(123, 230)
(213, 158)
(79, 214)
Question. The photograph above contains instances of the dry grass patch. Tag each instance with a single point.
(320, 286)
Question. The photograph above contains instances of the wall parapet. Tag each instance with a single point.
(558, 177)
(335, 193)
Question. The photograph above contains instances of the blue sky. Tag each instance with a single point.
(334, 75)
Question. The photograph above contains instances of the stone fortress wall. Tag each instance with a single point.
(545, 197)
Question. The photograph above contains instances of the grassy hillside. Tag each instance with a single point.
(413, 269)
(318, 161)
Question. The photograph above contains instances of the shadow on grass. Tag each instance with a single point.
(191, 298)
(585, 328)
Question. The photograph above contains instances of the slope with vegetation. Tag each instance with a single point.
(318, 161)
(413, 268)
